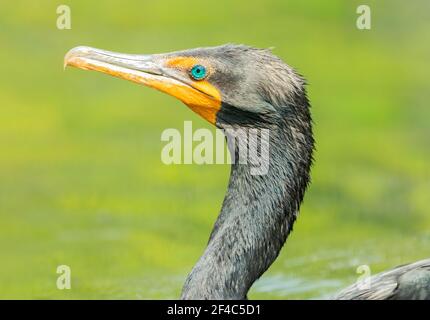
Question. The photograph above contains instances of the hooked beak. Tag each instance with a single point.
(152, 71)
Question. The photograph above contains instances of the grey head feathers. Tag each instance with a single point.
(252, 80)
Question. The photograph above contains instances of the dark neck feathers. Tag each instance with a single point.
(258, 211)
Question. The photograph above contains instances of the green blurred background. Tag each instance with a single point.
(82, 184)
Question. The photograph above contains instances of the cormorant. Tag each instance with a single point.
(240, 87)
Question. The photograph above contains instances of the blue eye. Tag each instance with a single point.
(198, 72)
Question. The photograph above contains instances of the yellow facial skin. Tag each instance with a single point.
(206, 105)
(200, 96)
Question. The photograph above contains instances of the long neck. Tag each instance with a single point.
(257, 215)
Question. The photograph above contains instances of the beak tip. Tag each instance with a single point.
(74, 53)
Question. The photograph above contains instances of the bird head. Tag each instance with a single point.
(226, 85)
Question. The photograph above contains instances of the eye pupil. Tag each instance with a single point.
(198, 72)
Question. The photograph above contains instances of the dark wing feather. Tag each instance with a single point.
(407, 282)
